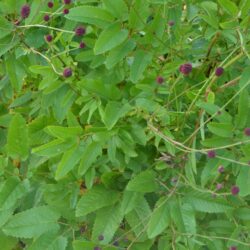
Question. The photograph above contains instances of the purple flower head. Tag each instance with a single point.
(25, 11)
(101, 237)
(50, 4)
(233, 248)
(247, 131)
(97, 248)
(66, 11)
(159, 79)
(219, 186)
(67, 1)
(211, 154)
(46, 18)
(186, 68)
(171, 23)
(221, 169)
(219, 71)
(67, 72)
(80, 31)
(82, 45)
(235, 190)
(49, 38)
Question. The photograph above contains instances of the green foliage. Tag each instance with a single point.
(115, 156)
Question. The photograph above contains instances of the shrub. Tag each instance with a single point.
(124, 124)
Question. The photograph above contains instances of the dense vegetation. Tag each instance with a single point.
(124, 124)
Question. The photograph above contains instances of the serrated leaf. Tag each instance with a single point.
(206, 203)
(104, 42)
(113, 112)
(118, 53)
(106, 223)
(53, 148)
(63, 132)
(144, 182)
(12, 190)
(69, 161)
(89, 245)
(94, 199)
(243, 110)
(141, 60)
(49, 241)
(117, 8)
(32, 223)
(221, 129)
(89, 155)
(90, 15)
(159, 219)
(17, 139)
(229, 6)
(129, 201)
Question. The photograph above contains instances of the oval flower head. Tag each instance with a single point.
(235, 190)
(186, 69)
(67, 72)
(25, 11)
(80, 31)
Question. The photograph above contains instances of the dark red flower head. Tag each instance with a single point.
(171, 23)
(221, 169)
(219, 71)
(186, 68)
(25, 11)
(67, 1)
(46, 18)
(235, 190)
(97, 248)
(159, 79)
(66, 11)
(82, 45)
(233, 248)
(211, 154)
(48, 38)
(247, 131)
(80, 31)
(67, 72)
(50, 4)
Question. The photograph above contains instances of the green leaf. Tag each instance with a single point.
(12, 190)
(49, 241)
(221, 129)
(117, 8)
(94, 199)
(104, 43)
(90, 15)
(6, 27)
(141, 60)
(144, 182)
(53, 148)
(17, 139)
(63, 132)
(118, 53)
(243, 180)
(129, 201)
(69, 161)
(106, 223)
(32, 223)
(113, 112)
(229, 6)
(88, 157)
(204, 202)
(82, 244)
(138, 218)
(243, 110)
(160, 218)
